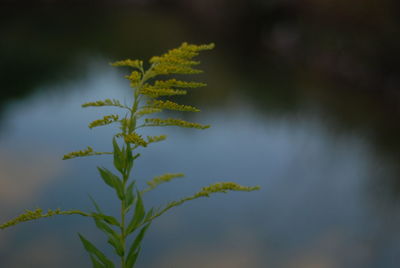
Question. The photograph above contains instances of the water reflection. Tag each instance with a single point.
(315, 205)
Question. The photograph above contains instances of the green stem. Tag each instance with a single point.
(125, 174)
(123, 238)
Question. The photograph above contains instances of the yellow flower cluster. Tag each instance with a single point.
(173, 122)
(154, 92)
(165, 69)
(169, 105)
(178, 60)
(223, 187)
(106, 102)
(135, 139)
(108, 119)
(177, 83)
(151, 139)
(81, 153)
(147, 110)
(30, 215)
(134, 76)
(163, 178)
(183, 53)
(129, 63)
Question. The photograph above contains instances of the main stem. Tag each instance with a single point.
(123, 235)
(125, 176)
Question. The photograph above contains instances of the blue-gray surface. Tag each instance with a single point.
(316, 206)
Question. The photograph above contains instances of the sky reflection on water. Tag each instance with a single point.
(315, 208)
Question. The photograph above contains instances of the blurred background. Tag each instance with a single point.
(303, 99)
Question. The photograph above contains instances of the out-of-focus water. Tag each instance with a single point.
(325, 157)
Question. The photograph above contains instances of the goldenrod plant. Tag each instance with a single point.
(149, 96)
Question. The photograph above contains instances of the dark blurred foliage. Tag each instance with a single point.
(349, 42)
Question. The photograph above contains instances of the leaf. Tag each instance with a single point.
(149, 214)
(108, 219)
(129, 197)
(105, 228)
(94, 251)
(117, 245)
(138, 214)
(113, 181)
(95, 204)
(118, 157)
(135, 247)
(132, 259)
(96, 264)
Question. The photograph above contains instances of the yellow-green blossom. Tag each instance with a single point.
(80, 153)
(177, 83)
(108, 119)
(87, 152)
(30, 215)
(135, 139)
(147, 110)
(223, 187)
(169, 105)
(178, 60)
(106, 102)
(162, 179)
(155, 92)
(134, 77)
(129, 63)
(151, 139)
(173, 122)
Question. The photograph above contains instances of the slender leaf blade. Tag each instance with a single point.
(129, 196)
(96, 263)
(108, 219)
(138, 214)
(112, 180)
(117, 245)
(135, 247)
(119, 158)
(91, 249)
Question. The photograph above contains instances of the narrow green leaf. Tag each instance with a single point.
(96, 264)
(93, 250)
(130, 263)
(135, 247)
(138, 214)
(118, 157)
(117, 245)
(129, 196)
(108, 219)
(95, 205)
(149, 214)
(113, 237)
(112, 180)
(105, 228)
